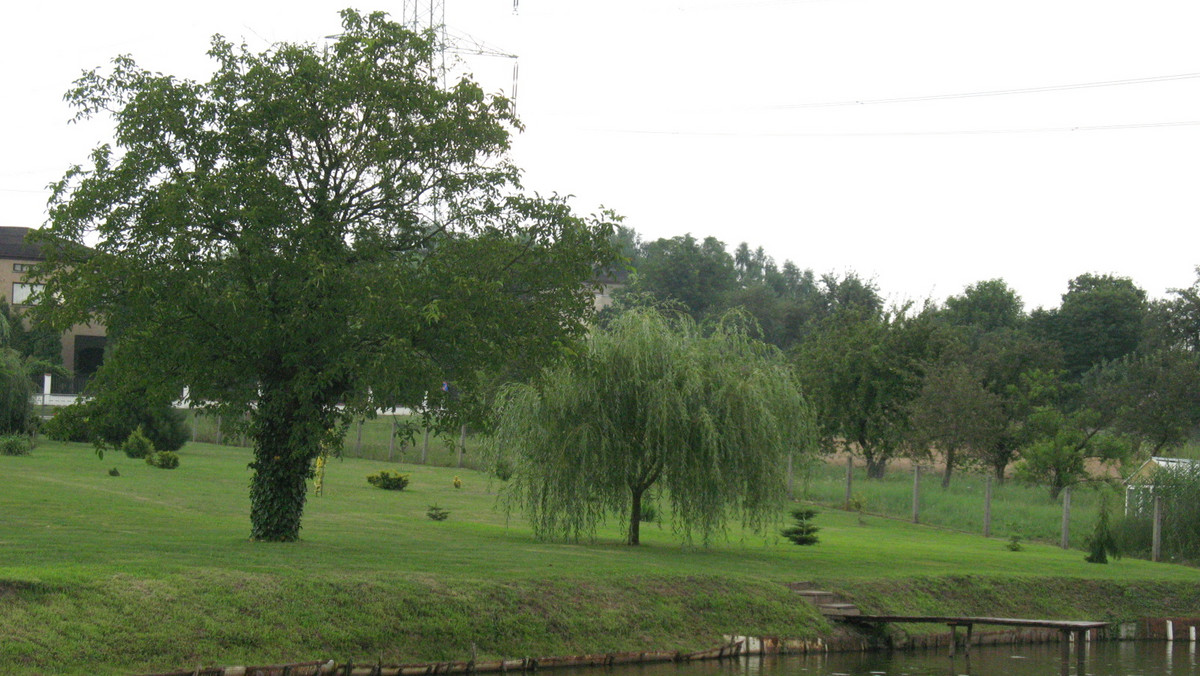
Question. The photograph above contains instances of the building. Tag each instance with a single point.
(83, 344)
(1139, 487)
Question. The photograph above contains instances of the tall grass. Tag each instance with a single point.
(1017, 509)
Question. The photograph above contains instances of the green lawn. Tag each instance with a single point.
(152, 570)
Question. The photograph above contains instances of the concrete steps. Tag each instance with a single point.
(826, 602)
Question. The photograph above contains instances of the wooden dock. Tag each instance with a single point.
(1072, 630)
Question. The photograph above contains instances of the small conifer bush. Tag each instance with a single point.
(138, 445)
(804, 532)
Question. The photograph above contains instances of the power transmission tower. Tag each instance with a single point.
(429, 17)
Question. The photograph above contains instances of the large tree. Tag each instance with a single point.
(315, 232)
(986, 306)
(861, 369)
(651, 404)
(1153, 399)
(1101, 318)
(955, 414)
(690, 272)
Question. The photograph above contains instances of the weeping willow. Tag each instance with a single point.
(703, 421)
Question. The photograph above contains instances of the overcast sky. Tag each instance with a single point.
(863, 135)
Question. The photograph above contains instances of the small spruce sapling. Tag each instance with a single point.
(1102, 543)
(804, 532)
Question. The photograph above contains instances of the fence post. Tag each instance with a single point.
(425, 448)
(358, 440)
(46, 384)
(392, 439)
(219, 435)
(462, 443)
(916, 494)
(1066, 519)
(849, 477)
(1156, 545)
(987, 508)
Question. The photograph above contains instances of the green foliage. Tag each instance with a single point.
(803, 531)
(861, 371)
(163, 459)
(1102, 543)
(15, 444)
(1151, 399)
(1014, 543)
(986, 306)
(435, 513)
(315, 232)
(1179, 491)
(68, 423)
(388, 481)
(681, 269)
(1101, 318)
(114, 472)
(113, 414)
(706, 419)
(649, 513)
(503, 468)
(137, 444)
(1060, 445)
(16, 409)
(955, 414)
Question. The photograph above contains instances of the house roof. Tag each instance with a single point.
(1148, 468)
(13, 245)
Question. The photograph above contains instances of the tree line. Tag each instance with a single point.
(979, 380)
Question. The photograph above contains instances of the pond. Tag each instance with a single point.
(1115, 658)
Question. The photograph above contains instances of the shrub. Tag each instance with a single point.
(163, 459)
(137, 445)
(504, 469)
(649, 512)
(458, 483)
(114, 472)
(113, 421)
(436, 513)
(15, 444)
(804, 532)
(69, 423)
(389, 481)
(1014, 543)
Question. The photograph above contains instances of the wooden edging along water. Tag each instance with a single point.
(1172, 629)
(527, 664)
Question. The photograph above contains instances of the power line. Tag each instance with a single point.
(992, 92)
(956, 132)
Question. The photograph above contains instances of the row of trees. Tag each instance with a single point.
(976, 379)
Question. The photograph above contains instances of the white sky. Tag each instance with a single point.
(696, 116)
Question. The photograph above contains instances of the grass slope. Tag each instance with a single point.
(151, 570)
